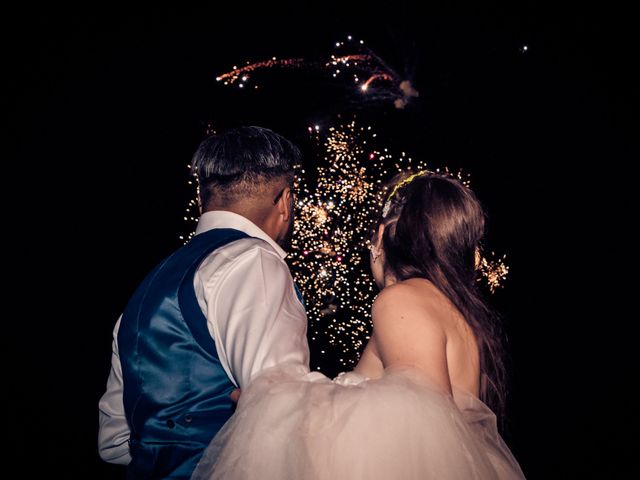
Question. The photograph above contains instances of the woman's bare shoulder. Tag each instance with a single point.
(413, 292)
(409, 300)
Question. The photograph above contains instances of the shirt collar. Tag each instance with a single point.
(224, 219)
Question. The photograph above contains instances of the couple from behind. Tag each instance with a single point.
(223, 313)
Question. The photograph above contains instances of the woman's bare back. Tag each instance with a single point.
(417, 318)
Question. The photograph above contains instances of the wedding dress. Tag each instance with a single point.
(292, 425)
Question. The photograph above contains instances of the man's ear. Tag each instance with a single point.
(285, 204)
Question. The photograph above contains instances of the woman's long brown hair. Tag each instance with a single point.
(432, 230)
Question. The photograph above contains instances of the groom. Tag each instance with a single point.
(209, 317)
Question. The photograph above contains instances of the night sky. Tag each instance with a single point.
(106, 107)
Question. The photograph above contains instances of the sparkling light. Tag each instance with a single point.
(494, 271)
(329, 258)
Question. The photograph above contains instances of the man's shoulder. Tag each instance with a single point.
(246, 245)
(238, 251)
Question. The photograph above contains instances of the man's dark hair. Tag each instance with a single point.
(234, 163)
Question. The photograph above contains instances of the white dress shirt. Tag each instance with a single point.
(247, 294)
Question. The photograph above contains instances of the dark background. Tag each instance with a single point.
(104, 108)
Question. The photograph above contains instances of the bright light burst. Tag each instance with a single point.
(336, 209)
(494, 271)
(329, 258)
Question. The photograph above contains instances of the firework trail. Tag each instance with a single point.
(374, 79)
(241, 75)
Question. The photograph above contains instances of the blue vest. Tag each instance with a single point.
(176, 393)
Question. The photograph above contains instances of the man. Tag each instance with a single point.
(211, 316)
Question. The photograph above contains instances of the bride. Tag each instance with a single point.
(417, 406)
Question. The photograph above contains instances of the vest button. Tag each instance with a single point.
(188, 418)
(171, 423)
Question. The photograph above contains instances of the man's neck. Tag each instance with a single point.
(252, 214)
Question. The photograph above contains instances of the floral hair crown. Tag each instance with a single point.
(398, 186)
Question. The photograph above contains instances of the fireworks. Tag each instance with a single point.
(329, 258)
(341, 198)
(192, 212)
(334, 213)
(242, 74)
(493, 271)
(376, 81)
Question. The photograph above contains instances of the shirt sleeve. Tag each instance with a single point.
(113, 433)
(256, 317)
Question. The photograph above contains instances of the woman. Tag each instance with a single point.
(415, 407)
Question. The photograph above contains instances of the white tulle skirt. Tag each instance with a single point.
(289, 425)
